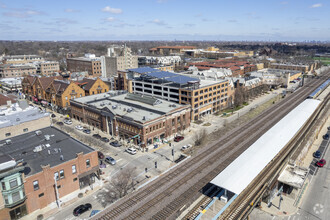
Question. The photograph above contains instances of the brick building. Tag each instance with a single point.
(93, 86)
(55, 165)
(141, 118)
(89, 64)
(21, 59)
(168, 50)
(47, 68)
(11, 70)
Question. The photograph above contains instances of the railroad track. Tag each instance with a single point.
(256, 188)
(164, 196)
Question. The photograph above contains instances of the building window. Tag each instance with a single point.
(8, 134)
(66, 98)
(61, 174)
(75, 179)
(15, 197)
(74, 170)
(25, 130)
(3, 185)
(13, 183)
(88, 163)
(6, 199)
(41, 195)
(56, 176)
(35, 185)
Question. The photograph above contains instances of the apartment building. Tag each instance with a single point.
(118, 58)
(16, 70)
(299, 67)
(21, 59)
(47, 68)
(141, 119)
(89, 64)
(205, 96)
(55, 165)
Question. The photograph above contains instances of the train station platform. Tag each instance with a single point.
(241, 172)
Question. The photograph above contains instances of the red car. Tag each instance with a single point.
(178, 138)
(321, 163)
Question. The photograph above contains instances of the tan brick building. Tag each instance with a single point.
(92, 86)
(48, 68)
(10, 70)
(143, 119)
(21, 59)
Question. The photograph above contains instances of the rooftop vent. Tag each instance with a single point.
(47, 137)
(62, 157)
(129, 110)
(38, 133)
(18, 119)
(37, 149)
(144, 118)
(8, 141)
(114, 106)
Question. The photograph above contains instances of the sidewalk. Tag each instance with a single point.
(289, 206)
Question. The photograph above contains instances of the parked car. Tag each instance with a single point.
(68, 122)
(104, 139)
(79, 127)
(185, 147)
(59, 123)
(317, 154)
(326, 137)
(87, 131)
(81, 209)
(97, 136)
(53, 115)
(115, 144)
(321, 163)
(131, 150)
(110, 160)
(100, 155)
(178, 138)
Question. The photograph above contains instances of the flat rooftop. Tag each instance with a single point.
(15, 115)
(35, 151)
(241, 172)
(85, 59)
(141, 108)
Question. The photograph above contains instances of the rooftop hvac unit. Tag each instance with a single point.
(62, 157)
(47, 145)
(37, 149)
(47, 137)
(38, 132)
(8, 141)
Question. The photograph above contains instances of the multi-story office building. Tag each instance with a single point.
(141, 118)
(204, 96)
(21, 59)
(16, 70)
(89, 63)
(119, 58)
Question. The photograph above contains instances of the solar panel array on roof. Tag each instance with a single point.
(144, 70)
(162, 74)
(181, 79)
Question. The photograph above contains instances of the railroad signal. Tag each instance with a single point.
(156, 164)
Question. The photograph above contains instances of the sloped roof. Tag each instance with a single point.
(60, 86)
(86, 84)
(4, 98)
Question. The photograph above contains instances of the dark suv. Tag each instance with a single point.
(81, 209)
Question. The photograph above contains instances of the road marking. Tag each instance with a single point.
(318, 208)
(119, 160)
(152, 150)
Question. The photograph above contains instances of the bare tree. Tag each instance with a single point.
(200, 137)
(119, 186)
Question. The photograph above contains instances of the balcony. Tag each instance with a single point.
(11, 205)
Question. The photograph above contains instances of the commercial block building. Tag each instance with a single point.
(47, 68)
(21, 59)
(16, 70)
(89, 63)
(204, 95)
(168, 50)
(20, 118)
(55, 165)
(140, 118)
(11, 84)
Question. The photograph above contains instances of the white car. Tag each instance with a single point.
(185, 147)
(131, 150)
(78, 127)
(68, 122)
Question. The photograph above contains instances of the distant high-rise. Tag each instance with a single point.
(118, 58)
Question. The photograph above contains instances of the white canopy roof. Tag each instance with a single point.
(249, 164)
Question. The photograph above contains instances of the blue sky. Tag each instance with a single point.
(288, 20)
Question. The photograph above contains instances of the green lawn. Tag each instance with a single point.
(324, 60)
